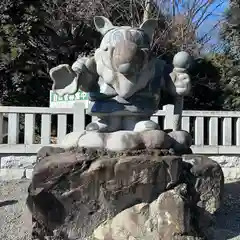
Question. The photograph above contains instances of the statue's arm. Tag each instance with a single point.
(177, 85)
(68, 80)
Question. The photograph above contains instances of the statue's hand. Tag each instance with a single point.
(180, 79)
(87, 75)
(67, 80)
(63, 80)
(182, 83)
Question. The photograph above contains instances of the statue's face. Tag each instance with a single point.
(124, 50)
(128, 49)
(120, 34)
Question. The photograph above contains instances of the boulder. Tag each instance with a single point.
(92, 194)
(124, 140)
(182, 140)
(205, 177)
(168, 217)
(205, 180)
(74, 191)
(179, 141)
(156, 139)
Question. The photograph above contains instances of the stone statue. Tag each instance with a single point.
(121, 181)
(123, 80)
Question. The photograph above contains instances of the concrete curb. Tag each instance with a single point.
(16, 167)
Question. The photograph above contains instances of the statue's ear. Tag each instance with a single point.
(149, 27)
(102, 24)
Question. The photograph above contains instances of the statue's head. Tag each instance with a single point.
(124, 49)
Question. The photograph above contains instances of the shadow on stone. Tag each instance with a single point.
(7, 202)
(47, 209)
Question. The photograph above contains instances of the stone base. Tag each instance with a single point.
(177, 141)
(81, 193)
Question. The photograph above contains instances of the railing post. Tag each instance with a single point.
(199, 131)
(168, 119)
(238, 132)
(29, 129)
(46, 128)
(177, 113)
(1, 127)
(13, 128)
(61, 127)
(78, 117)
(213, 131)
(227, 131)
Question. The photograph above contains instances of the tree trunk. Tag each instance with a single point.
(147, 10)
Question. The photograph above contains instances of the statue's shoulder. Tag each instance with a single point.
(159, 65)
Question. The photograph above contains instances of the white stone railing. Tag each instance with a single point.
(214, 132)
(13, 145)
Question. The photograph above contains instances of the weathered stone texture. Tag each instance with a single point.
(83, 194)
(85, 187)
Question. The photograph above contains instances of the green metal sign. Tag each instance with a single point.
(80, 95)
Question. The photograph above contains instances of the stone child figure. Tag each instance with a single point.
(123, 80)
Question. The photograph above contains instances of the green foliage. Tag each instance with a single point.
(32, 40)
(21, 24)
(39, 34)
(231, 64)
(206, 86)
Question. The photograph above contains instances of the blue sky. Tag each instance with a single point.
(213, 19)
(217, 13)
(208, 27)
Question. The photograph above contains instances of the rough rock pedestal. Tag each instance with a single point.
(84, 193)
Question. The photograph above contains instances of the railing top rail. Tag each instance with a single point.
(160, 113)
(211, 113)
(190, 113)
(47, 110)
(36, 110)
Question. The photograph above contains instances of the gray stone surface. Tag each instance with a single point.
(124, 140)
(168, 217)
(206, 179)
(182, 140)
(92, 139)
(156, 140)
(73, 192)
(71, 139)
(15, 220)
(182, 60)
(179, 141)
(83, 187)
(229, 164)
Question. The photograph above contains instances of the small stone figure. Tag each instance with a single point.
(123, 80)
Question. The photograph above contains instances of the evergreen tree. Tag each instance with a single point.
(22, 68)
(231, 69)
(39, 34)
